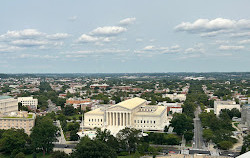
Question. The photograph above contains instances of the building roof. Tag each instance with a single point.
(4, 97)
(131, 103)
(157, 112)
(97, 111)
(245, 155)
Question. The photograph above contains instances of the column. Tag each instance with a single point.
(109, 118)
(116, 119)
(120, 120)
(113, 118)
(123, 119)
(129, 119)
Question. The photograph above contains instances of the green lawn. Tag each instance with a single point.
(39, 155)
(128, 156)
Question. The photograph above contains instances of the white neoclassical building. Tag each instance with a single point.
(219, 105)
(133, 113)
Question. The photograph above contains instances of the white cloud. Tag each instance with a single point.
(72, 18)
(85, 53)
(58, 36)
(230, 47)
(138, 40)
(87, 38)
(222, 41)
(38, 56)
(7, 49)
(28, 43)
(149, 48)
(33, 38)
(127, 21)
(241, 34)
(244, 41)
(108, 31)
(213, 27)
(26, 33)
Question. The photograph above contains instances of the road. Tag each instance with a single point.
(51, 107)
(61, 139)
(198, 140)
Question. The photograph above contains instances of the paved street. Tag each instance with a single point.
(61, 138)
(198, 140)
(51, 107)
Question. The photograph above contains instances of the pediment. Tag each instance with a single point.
(117, 108)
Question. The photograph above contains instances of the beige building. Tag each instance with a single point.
(219, 105)
(133, 113)
(28, 101)
(181, 97)
(245, 115)
(18, 120)
(8, 104)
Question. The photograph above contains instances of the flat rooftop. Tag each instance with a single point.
(4, 97)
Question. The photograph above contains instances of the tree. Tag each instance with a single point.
(74, 136)
(88, 148)
(246, 144)
(69, 110)
(188, 135)
(166, 129)
(43, 134)
(20, 155)
(105, 136)
(181, 123)
(59, 154)
(225, 145)
(73, 126)
(172, 139)
(102, 135)
(13, 140)
(129, 139)
(208, 134)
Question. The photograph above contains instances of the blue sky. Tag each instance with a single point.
(63, 36)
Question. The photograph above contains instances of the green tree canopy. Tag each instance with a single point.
(88, 148)
(181, 123)
(129, 139)
(43, 134)
(13, 139)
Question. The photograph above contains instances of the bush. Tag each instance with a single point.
(20, 155)
(123, 153)
(59, 154)
(225, 145)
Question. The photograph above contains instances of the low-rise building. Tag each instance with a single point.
(103, 86)
(181, 97)
(219, 105)
(28, 101)
(18, 120)
(8, 104)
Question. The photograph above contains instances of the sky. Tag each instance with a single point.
(129, 36)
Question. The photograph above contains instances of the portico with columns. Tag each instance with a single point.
(132, 113)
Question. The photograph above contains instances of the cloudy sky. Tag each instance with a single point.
(63, 36)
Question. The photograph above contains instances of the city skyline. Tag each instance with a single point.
(124, 37)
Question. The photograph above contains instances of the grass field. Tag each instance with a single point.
(39, 155)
